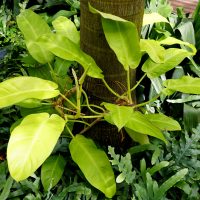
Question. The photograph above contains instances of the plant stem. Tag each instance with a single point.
(90, 126)
(68, 101)
(111, 90)
(136, 85)
(147, 102)
(129, 87)
(78, 94)
(68, 129)
(79, 121)
(53, 74)
(88, 105)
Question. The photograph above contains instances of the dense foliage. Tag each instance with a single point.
(151, 170)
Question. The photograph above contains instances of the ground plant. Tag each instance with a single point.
(51, 100)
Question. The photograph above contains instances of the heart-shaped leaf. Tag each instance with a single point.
(118, 115)
(15, 90)
(33, 26)
(122, 37)
(52, 171)
(172, 58)
(94, 164)
(31, 143)
(140, 124)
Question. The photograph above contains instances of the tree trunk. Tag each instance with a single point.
(93, 42)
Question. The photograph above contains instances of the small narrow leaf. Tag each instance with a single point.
(118, 115)
(140, 124)
(15, 90)
(31, 143)
(33, 26)
(153, 49)
(172, 58)
(65, 26)
(163, 122)
(170, 183)
(158, 167)
(152, 18)
(94, 164)
(52, 171)
(122, 37)
(64, 48)
(186, 84)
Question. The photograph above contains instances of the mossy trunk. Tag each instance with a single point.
(93, 42)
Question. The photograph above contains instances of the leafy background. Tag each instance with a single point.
(145, 171)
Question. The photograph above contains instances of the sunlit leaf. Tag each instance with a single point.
(173, 57)
(64, 48)
(186, 84)
(52, 171)
(163, 122)
(31, 143)
(140, 124)
(94, 164)
(33, 26)
(152, 18)
(65, 26)
(15, 90)
(172, 41)
(118, 115)
(153, 49)
(122, 37)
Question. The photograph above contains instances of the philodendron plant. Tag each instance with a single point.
(34, 137)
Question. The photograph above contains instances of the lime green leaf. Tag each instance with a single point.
(64, 48)
(52, 170)
(163, 122)
(140, 124)
(33, 26)
(15, 90)
(122, 37)
(152, 18)
(118, 115)
(137, 137)
(154, 50)
(94, 164)
(32, 142)
(172, 41)
(65, 26)
(186, 84)
(172, 58)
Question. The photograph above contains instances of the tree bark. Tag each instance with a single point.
(93, 42)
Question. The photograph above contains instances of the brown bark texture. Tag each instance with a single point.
(93, 42)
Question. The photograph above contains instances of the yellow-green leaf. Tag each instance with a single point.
(122, 37)
(15, 90)
(152, 18)
(33, 26)
(94, 164)
(65, 26)
(186, 84)
(140, 124)
(31, 143)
